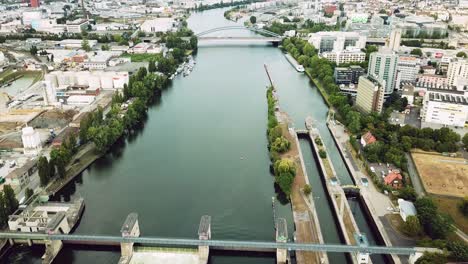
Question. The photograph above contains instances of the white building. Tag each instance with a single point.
(31, 141)
(383, 67)
(448, 108)
(96, 79)
(457, 72)
(158, 25)
(337, 41)
(406, 209)
(2, 59)
(348, 55)
(77, 26)
(407, 70)
(395, 39)
(75, 43)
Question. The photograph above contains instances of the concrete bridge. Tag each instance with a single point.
(271, 37)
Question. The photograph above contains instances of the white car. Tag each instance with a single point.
(372, 169)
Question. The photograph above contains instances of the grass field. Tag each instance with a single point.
(442, 175)
(450, 206)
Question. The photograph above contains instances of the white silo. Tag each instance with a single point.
(106, 81)
(52, 78)
(82, 78)
(31, 141)
(94, 81)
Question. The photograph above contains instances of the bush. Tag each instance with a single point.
(458, 250)
(307, 189)
(412, 227)
(318, 141)
(322, 154)
(280, 145)
(407, 193)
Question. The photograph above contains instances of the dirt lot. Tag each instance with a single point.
(442, 175)
(53, 119)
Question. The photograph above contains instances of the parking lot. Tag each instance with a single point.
(378, 168)
(412, 118)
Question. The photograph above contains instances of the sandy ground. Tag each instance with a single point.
(442, 175)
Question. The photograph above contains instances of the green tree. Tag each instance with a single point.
(85, 45)
(152, 66)
(33, 50)
(285, 172)
(465, 140)
(307, 189)
(3, 212)
(28, 193)
(412, 227)
(280, 145)
(463, 206)
(458, 250)
(253, 19)
(322, 154)
(105, 47)
(43, 170)
(461, 54)
(193, 42)
(407, 193)
(417, 52)
(432, 258)
(11, 204)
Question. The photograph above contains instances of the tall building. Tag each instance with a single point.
(348, 75)
(31, 141)
(370, 95)
(395, 39)
(407, 70)
(457, 73)
(383, 67)
(35, 3)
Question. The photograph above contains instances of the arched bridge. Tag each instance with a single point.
(269, 36)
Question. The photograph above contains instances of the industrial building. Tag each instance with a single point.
(158, 25)
(31, 141)
(370, 94)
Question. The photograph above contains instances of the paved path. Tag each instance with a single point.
(415, 180)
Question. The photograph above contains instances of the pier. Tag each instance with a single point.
(349, 229)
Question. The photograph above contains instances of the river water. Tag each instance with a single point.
(202, 150)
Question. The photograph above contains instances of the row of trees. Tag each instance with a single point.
(8, 204)
(59, 158)
(307, 27)
(283, 169)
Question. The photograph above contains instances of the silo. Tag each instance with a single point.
(52, 78)
(106, 80)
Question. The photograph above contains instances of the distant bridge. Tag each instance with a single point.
(271, 36)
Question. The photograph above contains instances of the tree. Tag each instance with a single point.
(458, 250)
(152, 66)
(412, 227)
(417, 52)
(285, 171)
(28, 193)
(194, 42)
(253, 19)
(85, 45)
(407, 193)
(3, 212)
(461, 54)
(463, 206)
(307, 189)
(465, 140)
(33, 50)
(322, 154)
(43, 170)
(280, 145)
(105, 47)
(11, 204)
(432, 258)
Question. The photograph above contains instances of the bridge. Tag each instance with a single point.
(271, 37)
(261, 246)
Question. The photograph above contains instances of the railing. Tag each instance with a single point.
(232, 244)
(253, 29)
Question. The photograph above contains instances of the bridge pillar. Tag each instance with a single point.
(11, 241)
(53, 247)
(281, 237)
(415, 256)
(29, 242)
(204, 233)
(130, 228)
(362, 257)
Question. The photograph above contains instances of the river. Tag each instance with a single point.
(202, 150)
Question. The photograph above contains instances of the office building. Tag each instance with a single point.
(448, 108)
(407, 70)
(383, 67)
(370, 95)
(348, 55)
(395, 39)
(457, 73)
(337, 41)
(348, 75)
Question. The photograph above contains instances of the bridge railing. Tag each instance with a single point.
(233, 244)
(253, 29)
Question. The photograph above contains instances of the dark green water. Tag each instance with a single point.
(202, 150)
